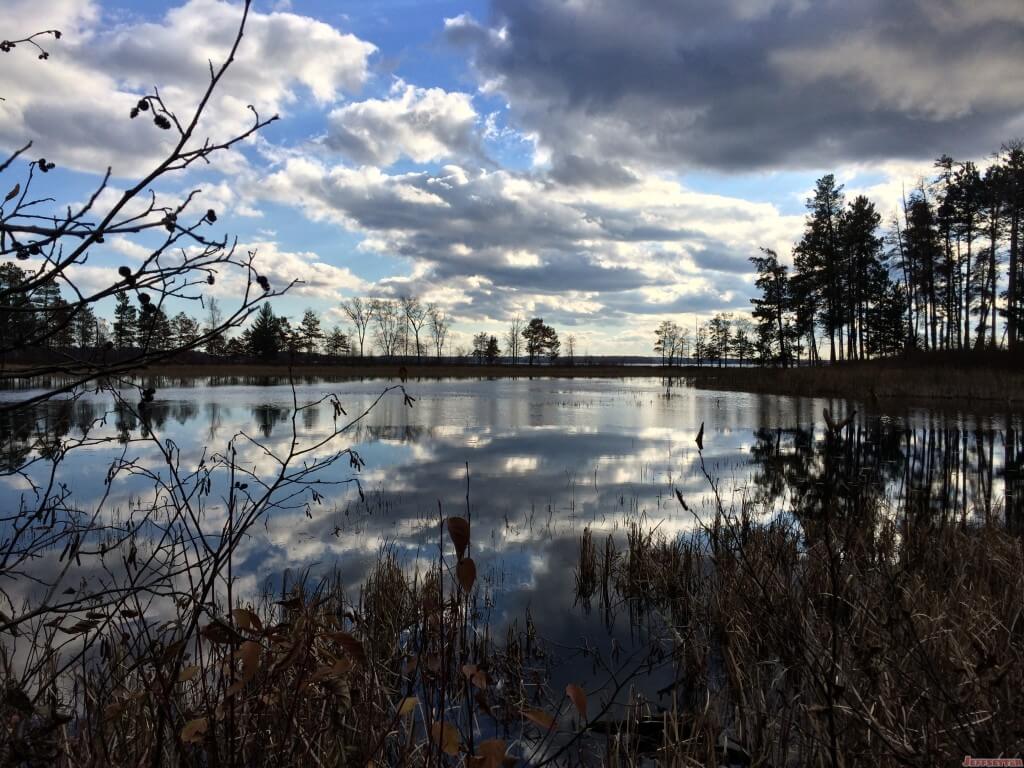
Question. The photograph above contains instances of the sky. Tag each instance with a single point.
(603, 164)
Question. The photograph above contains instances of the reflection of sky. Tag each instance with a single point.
(546, 458)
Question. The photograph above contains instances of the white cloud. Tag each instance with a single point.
(489, 244)
(319, 279)
(423, 124)
(75, 105)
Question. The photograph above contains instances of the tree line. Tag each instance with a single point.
(403, 327)
(944, 275)
(722, 338)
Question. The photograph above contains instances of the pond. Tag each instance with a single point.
(531, 463)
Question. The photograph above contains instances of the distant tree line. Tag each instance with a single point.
(403, 327)
(723, 338)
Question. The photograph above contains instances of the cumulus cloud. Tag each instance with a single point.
(318, 278)
(75, 105)
(516, 241)
(423, 124)
(750, 84)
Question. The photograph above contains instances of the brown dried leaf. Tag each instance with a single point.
(446, 738)
(13, 193)
(194, 730)
(492, 751)
(79, 627)
(219, 632)
(579, 699)
(352, 646)
(249, 653)
(465, 572)
(407, 706)
(188, 673)
(458, 530)
(246, 619)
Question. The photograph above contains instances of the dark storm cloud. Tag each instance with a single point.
(573, 170)
(745, 84)
(719, 259)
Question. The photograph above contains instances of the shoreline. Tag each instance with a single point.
(869, 381)
(925, 381)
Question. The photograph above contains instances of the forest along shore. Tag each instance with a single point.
(996, 381)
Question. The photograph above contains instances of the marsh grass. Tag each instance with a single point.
(401, 674)
(828, 637)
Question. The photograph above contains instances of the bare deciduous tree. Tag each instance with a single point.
(415, 317)
(514, 339)
(440, 324)
(360, 313)
(387, 331)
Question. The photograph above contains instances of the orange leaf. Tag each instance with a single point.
(492, 752)
(540, 717)
(465, 571)
(458, 529)
(194, 730)
(579, 699)
(249, 653)
(446, 738)
(407, 706)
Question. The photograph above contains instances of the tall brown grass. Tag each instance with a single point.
(828, 638)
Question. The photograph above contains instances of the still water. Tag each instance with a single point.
(531, 462)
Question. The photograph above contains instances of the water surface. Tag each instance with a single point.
(531, 462)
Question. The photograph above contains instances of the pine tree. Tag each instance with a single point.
(921, 243)
(818, 259)
(184, 330)
(337, 343)
(85, 327)
(492, 351)
(866, 275)
(309, 332)
(125, 322)
(17, 313)
(773, 305)
(154, 329)
(480, 347)
(265, 334)
(51, 313)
